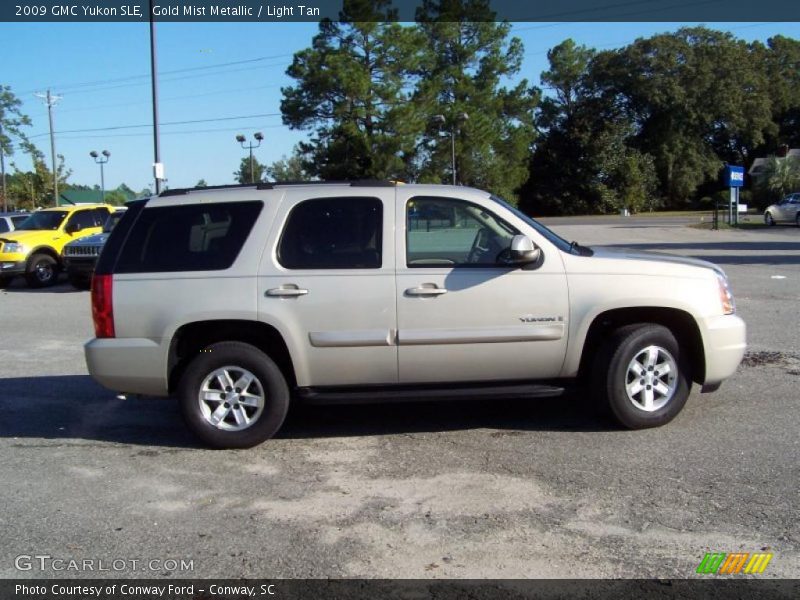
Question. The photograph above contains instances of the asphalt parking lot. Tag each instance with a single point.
(482, 489)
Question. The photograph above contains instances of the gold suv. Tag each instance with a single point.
(34, 248)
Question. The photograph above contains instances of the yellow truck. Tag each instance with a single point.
(34, 248)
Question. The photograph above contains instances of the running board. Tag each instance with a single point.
(419, 393)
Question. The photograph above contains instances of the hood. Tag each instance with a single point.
(98, 239)
(23, 236)
(643, 255)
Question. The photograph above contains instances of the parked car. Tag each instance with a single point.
(785, 211)
(10, 221)
(33, 249)
(80, 256)
(237, 300)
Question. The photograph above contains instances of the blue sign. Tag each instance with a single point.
(734, 176)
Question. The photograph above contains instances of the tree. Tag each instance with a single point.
(202, 182)
(11, 123)
(466, 56)
(695, 98)
(243, 174)
(288, 169)
(34, 189)
(780, 175)
(350, 93)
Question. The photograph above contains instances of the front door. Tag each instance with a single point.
(463, 315)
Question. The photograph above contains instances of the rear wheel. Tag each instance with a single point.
(232, 395)
(642, 376)
(42, 271)
(768, 219)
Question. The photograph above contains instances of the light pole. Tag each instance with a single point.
(259, 137)
(442, 121)
(101, 162)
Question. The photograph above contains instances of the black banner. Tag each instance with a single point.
(381, 589)
(401, 10)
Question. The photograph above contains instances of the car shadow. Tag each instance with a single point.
(74, 407)
(19, 285)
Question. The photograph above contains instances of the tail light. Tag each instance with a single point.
(103, 306)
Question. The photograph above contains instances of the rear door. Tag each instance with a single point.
(327, 283)
(462, 315)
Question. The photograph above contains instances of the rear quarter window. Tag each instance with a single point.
(197, 237)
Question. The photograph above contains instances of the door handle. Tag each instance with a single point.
(286, 292)
(426, 291)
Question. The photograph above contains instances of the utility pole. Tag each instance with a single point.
(158, 168)
(3, 169)
(51, 100)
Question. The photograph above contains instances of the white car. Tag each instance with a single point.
(786, 211)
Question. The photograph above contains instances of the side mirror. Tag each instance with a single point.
(73, 228)
(523, 251)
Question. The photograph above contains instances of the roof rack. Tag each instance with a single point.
(273, 184)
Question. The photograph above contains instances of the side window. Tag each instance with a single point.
(100, 215)
(333, 233)
(444, 232)
(19, 220)
(196, 237)
(83, 219)
(3, 226)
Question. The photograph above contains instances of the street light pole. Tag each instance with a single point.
(442, 121)
(259, 138)
(101, 162)
(158, 168)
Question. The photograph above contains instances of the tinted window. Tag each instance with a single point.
(83, 219)
(19, 220)
(199, 237)
(3, 226)
(333, 233)
(100, 215)
(50, 220)
(444, 232)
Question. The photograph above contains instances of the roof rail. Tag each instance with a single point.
(268, 185)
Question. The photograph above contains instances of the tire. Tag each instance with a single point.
(5, 282)
(648, 345)
(769, 220)
(237, 359)
(79, 282)
(42, 271)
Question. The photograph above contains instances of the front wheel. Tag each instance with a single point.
(232, 395)
(42, 271)
(769, 220)
(642, 376)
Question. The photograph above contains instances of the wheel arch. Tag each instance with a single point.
(190, 338)
(48, 250)
(681, 323)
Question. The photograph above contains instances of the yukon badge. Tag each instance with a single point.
(532, 319)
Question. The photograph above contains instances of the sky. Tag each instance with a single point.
(216, 80)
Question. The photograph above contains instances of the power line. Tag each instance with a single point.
(190, 122)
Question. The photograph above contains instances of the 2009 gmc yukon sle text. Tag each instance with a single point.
(238, 299)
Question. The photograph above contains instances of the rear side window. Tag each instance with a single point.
(3, 226)
(19, 220)
(198, 237)
(83, 219)
(333, 233)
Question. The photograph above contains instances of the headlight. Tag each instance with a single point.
(726, 295)
(13, 247)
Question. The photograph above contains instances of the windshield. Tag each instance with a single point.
(50, 220)
(556, 240)
(112, 221)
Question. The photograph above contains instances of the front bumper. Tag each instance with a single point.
(11, 267)
(80, 266)
(724, 340)
(130, 365)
